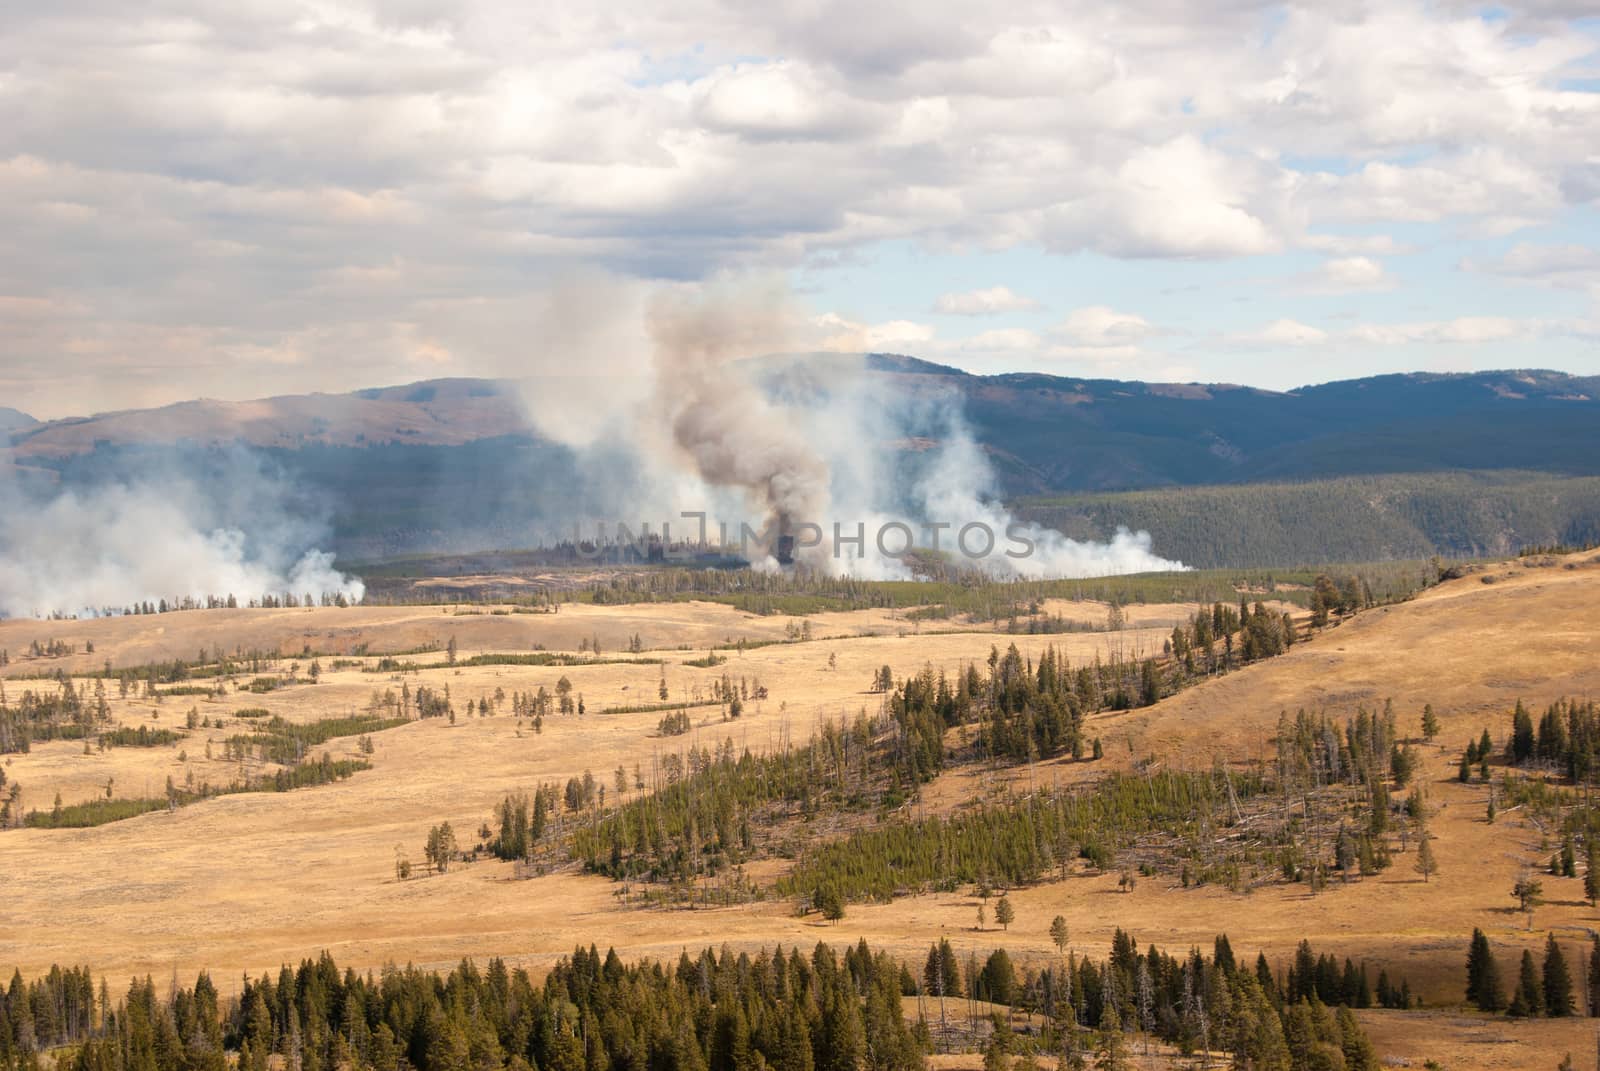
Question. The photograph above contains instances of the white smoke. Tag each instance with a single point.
(816, 441)
(104, 548)
(860, 420)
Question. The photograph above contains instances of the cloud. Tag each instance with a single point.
(1566, 266)
(995, 299)
(1181, 199)
(1490, 190)
(1344, 245)
(1284, 333)
(1346, 275)
(350, 168)
(1462, 330)
(1097, 325)
(840, 335)
(781, 100)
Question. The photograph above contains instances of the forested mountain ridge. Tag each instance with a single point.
(455, 463)
(1100, 435)
(1048, 433)
(1350, 518)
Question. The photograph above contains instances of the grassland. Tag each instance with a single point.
(244, 882)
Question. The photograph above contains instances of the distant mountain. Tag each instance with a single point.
(442, 412)
(454, 462)
(14, 420)
(1094, 435)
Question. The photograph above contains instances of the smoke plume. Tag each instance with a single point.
(821, 440)
(229, 527)
(732, 435)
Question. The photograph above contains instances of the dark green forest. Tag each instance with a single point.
(1356, 518)
(718, 1011)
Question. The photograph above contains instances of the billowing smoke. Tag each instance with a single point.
(724, 426)
(233, 530)
(960, 486)
(822, 444)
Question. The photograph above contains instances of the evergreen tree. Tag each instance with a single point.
(1113, 1046)
(1529, 894)
(1425, 863)
(1356, 1047)
(1591, 869)
(1483, 976)
(1520, 747)
(1594, 977)
(1557, 981)
(997, 1051)
(997, 982)
(1058, 933)
(1529, 997)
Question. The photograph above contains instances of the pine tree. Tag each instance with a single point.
(1430, 723)
(1591, 870)
(1425, 863)
(996, 1054)
(828, 901)
(1520, 747)
(1359, 1054)
(1557, 981)
(1004, 913)
(1594, 977)
(1483, 975)
(1058, 933)
(1529, 894)
(1113, 1047)
(1529, 998)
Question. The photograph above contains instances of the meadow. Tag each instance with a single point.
(243, 881)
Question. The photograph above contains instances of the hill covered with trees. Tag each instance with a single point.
(1354, 518)
(455, 464)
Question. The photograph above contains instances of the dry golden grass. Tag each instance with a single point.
(246, 882)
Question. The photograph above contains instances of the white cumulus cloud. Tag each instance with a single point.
(986, 302)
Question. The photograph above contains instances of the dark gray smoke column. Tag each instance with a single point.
(721, 422)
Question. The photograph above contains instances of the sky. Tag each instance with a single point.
(260, 197)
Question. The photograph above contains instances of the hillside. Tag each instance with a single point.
(1464, 646)
(454, 464)
(1354, 518)
(445, 412)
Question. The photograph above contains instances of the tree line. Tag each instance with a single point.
(718, 1011)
